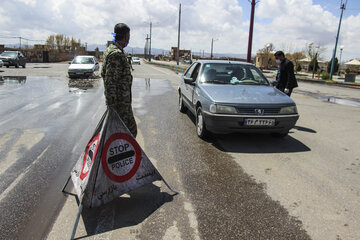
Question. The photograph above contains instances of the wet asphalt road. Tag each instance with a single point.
(45, 124)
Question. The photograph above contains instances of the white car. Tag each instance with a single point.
(136, 60)
(83, 66)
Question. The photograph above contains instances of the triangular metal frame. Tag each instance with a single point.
(80, 208)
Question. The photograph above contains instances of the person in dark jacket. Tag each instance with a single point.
(285, 78)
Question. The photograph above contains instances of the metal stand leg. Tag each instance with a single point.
(176, 192)
(76, 222)
(63, 189)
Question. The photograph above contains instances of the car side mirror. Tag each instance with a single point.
(97, 63)
(69, 62)
(189, 81)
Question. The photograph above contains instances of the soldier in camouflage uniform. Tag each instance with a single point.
(117, 77)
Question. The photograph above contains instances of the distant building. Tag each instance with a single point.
(305, 62)
(265, 60)
(183, 54)
(353, 65)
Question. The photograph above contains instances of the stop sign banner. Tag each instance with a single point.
(112, 164)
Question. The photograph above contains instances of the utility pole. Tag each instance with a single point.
(343, 6)
(212, 47)
(253, 3)
(178, 46)
(212, 43)
(150, 43)
(146, 45)
(20, 42)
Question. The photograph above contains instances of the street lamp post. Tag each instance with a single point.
(341, 49)
(343, 6)
(178, 46)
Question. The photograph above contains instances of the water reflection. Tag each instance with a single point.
(337, 100)
(147, 83)
(21, 80)
(80, 85)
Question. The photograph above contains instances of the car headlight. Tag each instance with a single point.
(288, 110)
(214, 108)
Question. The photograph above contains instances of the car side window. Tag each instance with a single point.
(195, 73)
(190, 70)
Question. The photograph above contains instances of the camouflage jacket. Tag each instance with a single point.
(117, 76)
(117, 79)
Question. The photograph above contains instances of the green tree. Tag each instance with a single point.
(62, 43)
(313, 62)
(59, 40)
(298, 69)
(336, 66)
(50, 42)
(295, 58)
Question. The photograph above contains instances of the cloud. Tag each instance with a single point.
(296, 23)
(289, 23)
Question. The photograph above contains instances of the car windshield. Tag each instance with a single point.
(231, 73)
(8, 54)
(83, 60)
(135, 58)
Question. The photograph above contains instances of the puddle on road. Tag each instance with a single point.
(341, 101)
(12, 80)
(144, 89)
(45, 83)
(80, 85)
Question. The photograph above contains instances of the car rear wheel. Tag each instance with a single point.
(182, 107)
(200, 124)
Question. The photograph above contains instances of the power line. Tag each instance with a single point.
(33, 40)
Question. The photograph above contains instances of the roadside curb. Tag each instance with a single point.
(175, 68)
(329, 82)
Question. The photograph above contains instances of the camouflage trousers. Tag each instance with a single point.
(127, 117)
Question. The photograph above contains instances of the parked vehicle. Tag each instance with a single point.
(1, 63)
(136, 60)
(229, 96)
(83, 66)
(13, 58)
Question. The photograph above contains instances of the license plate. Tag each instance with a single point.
(259, 122)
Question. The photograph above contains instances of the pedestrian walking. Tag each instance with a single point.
(285, 78)
(117, 77)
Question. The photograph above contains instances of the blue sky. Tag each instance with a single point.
(289, 24)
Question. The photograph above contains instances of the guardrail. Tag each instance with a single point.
(175, 68)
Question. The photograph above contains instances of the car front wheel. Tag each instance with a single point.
(200, 124)
(182, 107)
